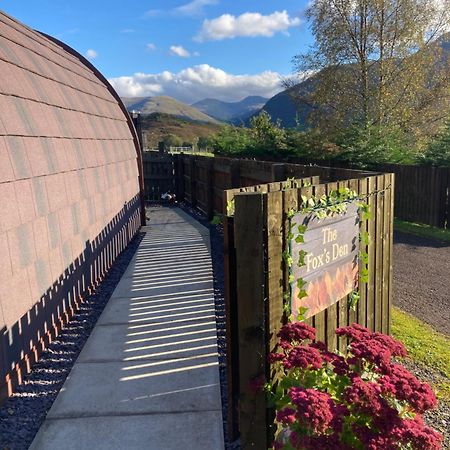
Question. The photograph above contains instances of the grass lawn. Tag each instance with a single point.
(422, 230)
(424, 345)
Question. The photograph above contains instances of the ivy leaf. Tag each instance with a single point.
(364, 257)
(291, 279)
(299, 239)
(364, 276)
(364, 237)
(353, 300)
(301, 283)
(301, 313)
(301, 258)
(302, 229)
(302, 294)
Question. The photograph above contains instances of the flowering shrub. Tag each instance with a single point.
(363, 400)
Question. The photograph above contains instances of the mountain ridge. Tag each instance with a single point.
(166, 105)
(233, 112)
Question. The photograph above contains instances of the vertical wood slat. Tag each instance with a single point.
(353, 313)
(387, 253)
(362, 304)
(370, 308)
(305, 192)
(275, 265)
(379, 247)
(249, 224)
(231, 323)
(290, 202)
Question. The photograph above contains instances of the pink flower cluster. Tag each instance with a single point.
(403, 385)
(360, 400)
(294, 333)
(376, 348)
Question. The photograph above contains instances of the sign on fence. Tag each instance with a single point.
(327, 260)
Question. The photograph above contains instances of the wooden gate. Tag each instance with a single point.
(159, 175)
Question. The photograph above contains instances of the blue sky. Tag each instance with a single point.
(187, 49)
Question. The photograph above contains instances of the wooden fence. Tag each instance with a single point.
(159, 175)
(201, 181)
(422, 193)
(256, 277)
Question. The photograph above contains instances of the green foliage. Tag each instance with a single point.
(231, 140)
(423, 230)
(371, 145)
(217, 219)
(438, 151)
(262, 138)
(203, 143)
(172, 140)
(268, 137)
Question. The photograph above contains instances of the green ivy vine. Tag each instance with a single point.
(322, 207)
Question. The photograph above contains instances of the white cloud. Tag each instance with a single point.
(151, 46)
(91, 54)
(248, 24)
(178, 50)
(194, 8)
(127, 30)
(198, 82)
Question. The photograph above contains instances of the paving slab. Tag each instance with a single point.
(158, 431)
(148, 376)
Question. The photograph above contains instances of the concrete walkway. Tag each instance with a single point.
(148, 376)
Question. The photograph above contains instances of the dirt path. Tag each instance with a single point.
(422, 279)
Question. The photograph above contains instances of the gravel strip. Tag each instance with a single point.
(438, 418)
(23, 413)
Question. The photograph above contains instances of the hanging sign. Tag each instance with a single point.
(326, 263)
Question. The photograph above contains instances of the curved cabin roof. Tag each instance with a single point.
(68, 163)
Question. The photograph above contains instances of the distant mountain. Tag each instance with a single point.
(166, 105)
(157, 126)
(286, 108)
(234, 112)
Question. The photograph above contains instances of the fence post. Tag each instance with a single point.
(229, 254)
(192, 181)
(179, 177)
(278, 172)
(250, 242)
(235, 173)
(209, 189)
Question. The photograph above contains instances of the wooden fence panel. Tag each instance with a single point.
(159, 175)
(261, 285)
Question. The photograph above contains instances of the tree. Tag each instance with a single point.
(268, 136)
(203, 143)
(438, 152)
(172, 140)
(378, 63)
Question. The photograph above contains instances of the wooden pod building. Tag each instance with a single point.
(70, 189)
